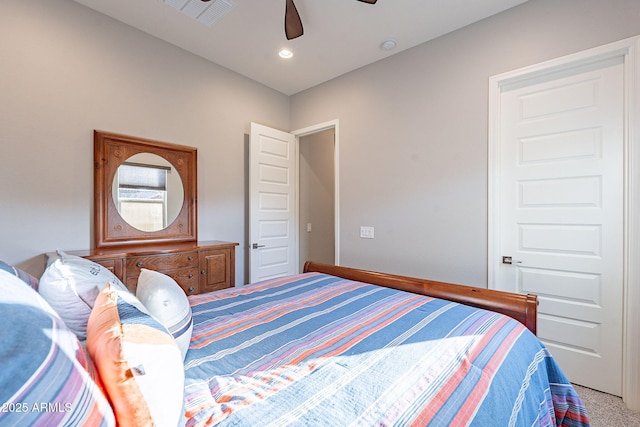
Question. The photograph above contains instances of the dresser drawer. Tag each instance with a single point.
(161, 262)
(113, 265)
(187, 278)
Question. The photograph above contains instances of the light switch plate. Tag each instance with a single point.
(367, 232)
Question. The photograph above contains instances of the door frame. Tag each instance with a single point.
(629, 51)
(309, 130)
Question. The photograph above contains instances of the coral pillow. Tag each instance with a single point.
(139, 362)
(167, 302)
(71, 284)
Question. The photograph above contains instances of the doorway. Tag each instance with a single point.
(273, 199)
(321, 146)
(316, 197)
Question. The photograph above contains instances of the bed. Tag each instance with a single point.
(336, 346)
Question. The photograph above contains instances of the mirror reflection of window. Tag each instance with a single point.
(142, 195)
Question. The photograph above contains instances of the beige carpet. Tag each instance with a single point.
(606, 410)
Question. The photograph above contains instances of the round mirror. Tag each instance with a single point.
(148, 192)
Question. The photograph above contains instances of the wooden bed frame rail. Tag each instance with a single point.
(523, 308)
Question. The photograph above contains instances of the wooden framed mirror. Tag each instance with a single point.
(145, 192)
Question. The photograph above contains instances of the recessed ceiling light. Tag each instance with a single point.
(388, 44)
(285, 53)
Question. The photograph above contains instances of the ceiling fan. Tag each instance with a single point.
(293, 23)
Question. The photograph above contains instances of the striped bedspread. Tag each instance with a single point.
(317, 350)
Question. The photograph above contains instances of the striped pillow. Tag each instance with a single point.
(167, 302)
(23, 275)
(138, 360)
(44, 378)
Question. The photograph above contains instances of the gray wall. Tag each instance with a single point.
(413, 133)
(413, 128)
(66, 70)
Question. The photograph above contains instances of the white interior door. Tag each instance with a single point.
(561, 203)
(272, 203)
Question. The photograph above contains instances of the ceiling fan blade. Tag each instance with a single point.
(292, 21)
(369, 1)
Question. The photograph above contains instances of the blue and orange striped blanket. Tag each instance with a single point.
(317, 350)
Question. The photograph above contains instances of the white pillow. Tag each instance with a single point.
(70, 284)
(167, 302)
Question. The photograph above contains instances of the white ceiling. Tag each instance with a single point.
(339, 35)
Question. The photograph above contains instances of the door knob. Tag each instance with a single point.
(510, 260)
(256, 246)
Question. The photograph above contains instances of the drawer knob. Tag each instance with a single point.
(139, 264)
(191, 276)
(203, 272)
(190, 258)
(191, 290)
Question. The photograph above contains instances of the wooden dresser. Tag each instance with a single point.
(198, 267)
